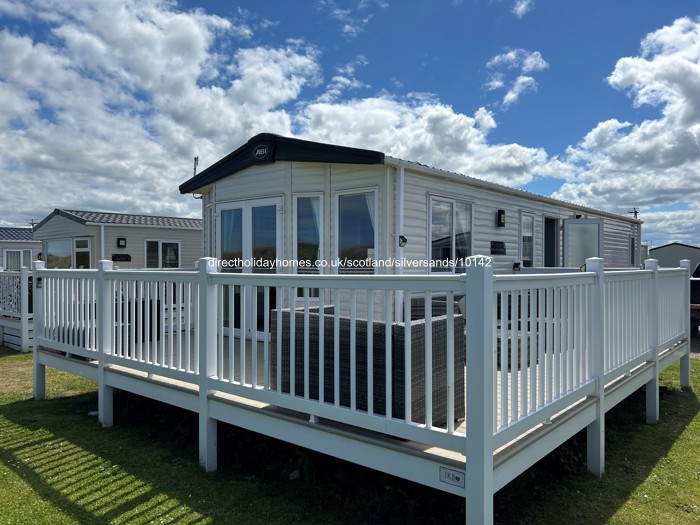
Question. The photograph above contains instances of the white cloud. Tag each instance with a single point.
(352, 23)
(522, 7)
(521, 85)
(521, 61)
(344, 80)
(89, 120)
(424, 131)
(655, 163)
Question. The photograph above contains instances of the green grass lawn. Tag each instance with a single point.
(58, 465)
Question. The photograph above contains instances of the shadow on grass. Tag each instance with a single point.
(559, 489)
(145, 470)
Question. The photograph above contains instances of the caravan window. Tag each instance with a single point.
(450, 234)
(527, 236)
(16, 259)
(308, 231)
(162, 254)
(357, 233)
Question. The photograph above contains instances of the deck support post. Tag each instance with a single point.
(38, 312)
(207, 362)
(595, 432)
(652, 387)
(685, 360)
(105, 302)
(24, 312)
(480, 392)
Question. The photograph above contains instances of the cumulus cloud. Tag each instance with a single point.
(655, 163)
(512, 70)
(87, 119)
(426, 131)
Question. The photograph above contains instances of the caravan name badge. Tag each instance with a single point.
(261, 152)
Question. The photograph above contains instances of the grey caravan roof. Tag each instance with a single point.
(124, 219)
(16, 234)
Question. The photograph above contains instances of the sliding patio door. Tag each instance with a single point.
(249, 241)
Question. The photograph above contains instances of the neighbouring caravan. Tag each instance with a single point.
(336, 209)
(668, 255)
(78, 239)
(17, 248)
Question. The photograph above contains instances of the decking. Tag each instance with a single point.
(546, 356)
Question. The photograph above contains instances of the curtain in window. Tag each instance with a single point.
(463, 230)
(152, 254)
(315, 210)
(369, 197)
(528, 226)
(12, 260)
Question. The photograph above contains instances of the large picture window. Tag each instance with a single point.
(356, 232)
(162, 254)
(68, 253)
(450, 234)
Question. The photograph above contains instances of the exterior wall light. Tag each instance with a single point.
(501, 218)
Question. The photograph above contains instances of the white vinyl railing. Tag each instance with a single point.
(543, 353)
(479, 360)
(13, 293)
(16, 309)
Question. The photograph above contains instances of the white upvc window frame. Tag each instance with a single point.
(160, 252)
(321, 232)
(453, 247)
(24, 259)
(336, 225)
(530, 215)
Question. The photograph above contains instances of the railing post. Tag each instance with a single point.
(685, 360)
(105, 300)
(38, 308)
(652, 387)
(207, 362)
(595, 433)
(480, 393)
(24, 309)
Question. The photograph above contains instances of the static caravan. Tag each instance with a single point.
(17, 248)
(348, 210)
(288, 205)
(668, 255)
(78, 239)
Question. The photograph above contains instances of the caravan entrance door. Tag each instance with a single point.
(249, 241)
(583, 238)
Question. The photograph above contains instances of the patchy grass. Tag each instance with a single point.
(57, 465)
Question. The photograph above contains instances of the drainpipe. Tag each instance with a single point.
(398, 302)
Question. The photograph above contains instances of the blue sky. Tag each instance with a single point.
(104, 104)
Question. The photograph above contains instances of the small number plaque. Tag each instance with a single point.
(452, 477)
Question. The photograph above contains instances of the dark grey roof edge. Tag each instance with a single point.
(266, 148)
(675, 244)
